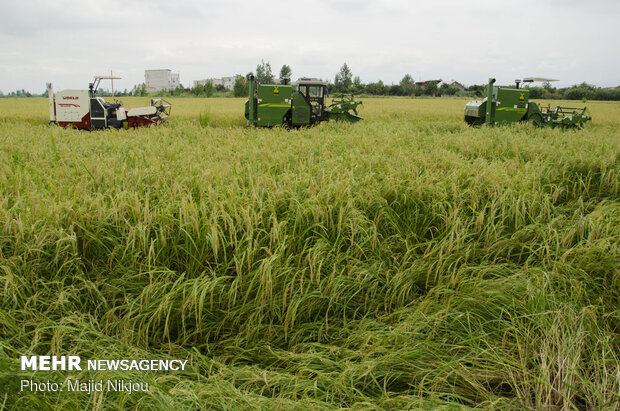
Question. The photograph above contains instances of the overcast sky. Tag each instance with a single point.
(69, 41)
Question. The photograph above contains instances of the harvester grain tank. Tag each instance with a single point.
(83, 109)
(506, 105)
(300, 104)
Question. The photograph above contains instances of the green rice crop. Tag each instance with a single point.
(407, 261)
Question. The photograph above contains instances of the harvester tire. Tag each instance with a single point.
(535, 120)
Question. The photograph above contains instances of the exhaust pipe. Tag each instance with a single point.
(50, 96)
(489, 118)
(251, 101)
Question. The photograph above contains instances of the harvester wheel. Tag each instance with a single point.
(535, 120)
(287, 121)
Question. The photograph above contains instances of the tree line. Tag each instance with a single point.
(346, 82)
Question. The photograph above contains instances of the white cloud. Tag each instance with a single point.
(69, 41)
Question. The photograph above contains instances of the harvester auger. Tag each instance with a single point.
(506, 105)
(301, 104)
(82, 109)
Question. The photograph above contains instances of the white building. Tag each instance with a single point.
(164, 79)
(228, 82)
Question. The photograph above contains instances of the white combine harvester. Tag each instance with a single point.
(82, 109)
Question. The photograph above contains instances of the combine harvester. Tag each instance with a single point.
(302, 104)
(82, 109)
(506, 105)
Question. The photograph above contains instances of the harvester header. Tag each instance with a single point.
(83, 109)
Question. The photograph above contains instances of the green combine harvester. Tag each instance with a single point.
(507, 105)
(301, 104)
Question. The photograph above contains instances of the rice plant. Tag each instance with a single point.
(404, 262)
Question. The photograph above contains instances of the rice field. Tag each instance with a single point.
(404, 262)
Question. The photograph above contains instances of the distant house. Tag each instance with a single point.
(441, 82)
(227, 82)
(451, 83)
(164, 79)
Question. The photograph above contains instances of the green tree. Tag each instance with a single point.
(180, 89)
(580, 92)
(263, 73)
(240, 88)
(204, 90)
(140, 90)
(396, 90)
(547, 86)
(446, 90)
(478, 89)
(285, 71)
(344, 78)
(407, 83)
(537, 92)
(208, 88)
(358, 87)
(430, 89)
(377, 88)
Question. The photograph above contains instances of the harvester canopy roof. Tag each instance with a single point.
(307, 80)
(532, 79)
